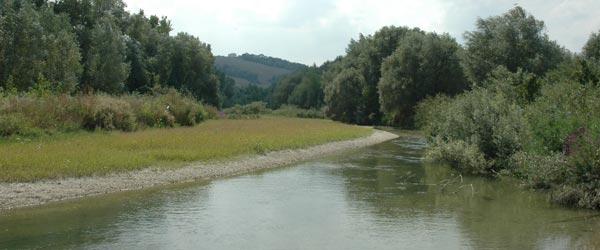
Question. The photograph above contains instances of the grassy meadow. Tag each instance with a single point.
(97, 153)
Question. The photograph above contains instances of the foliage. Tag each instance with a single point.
(483, 119)
(107, 68)
(591, 49)
(294, 111)
(272, 61)
(37, 42)
(255, 69)
(422, 65)
(562, 108)
(364, 57)
(343, 96)
(302, 88)
(513, 40)
(97, 46)
(248, 111)
(108, 114)
(86, 154)
(464, 156)
(27, 113)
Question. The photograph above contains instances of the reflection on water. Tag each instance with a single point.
(381, 197)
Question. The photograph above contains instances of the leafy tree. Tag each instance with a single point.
(188, 65)
(226, 90)
(36, 44)
(139, 77)
(308, 93)
(22, 45)
(591, 50)
(108, 69)
(366, 55)
(343, 96)
(423, 65)
(513, 40)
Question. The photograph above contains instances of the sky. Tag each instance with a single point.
(314, 31)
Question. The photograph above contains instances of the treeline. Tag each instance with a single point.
(380, 79)
(511, 101)
(89, 46)
(272, 61)
(532, 111)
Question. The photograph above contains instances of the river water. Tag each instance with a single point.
(382, 197)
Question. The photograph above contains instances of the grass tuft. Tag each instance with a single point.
(99, 153)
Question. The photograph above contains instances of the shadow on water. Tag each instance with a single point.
(382, 197)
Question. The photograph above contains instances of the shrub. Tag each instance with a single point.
(186, 110)
(584, 173)
(249, 111)
(212, 112)
(541, 171)
(465, 157)
(293, 111)
(67, 113)
(561, 109)
(151, 112)
(482, 119)
(109, 113)
(15, 124)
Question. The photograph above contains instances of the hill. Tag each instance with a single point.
(258, 70)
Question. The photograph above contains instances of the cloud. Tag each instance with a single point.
(313, 31)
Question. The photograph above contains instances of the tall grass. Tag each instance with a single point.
(32, 114)
(85, 154)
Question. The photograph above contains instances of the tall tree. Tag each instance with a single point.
(366, 56)
(37, 44)
(188, 65)
(108, 69)
(343, 96)
(423, 65)
(591, 50)
(513, 40)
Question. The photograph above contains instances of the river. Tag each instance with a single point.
(381, 197)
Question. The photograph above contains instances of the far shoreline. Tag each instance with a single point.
(21, 195)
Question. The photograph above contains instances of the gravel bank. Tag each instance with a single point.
(15, 195)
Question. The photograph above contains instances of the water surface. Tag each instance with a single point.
(382, 197)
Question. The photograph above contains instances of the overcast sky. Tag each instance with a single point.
(313, 31)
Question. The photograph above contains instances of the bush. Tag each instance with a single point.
(541, 171)
(212, 112)
(484, 120)
(109, 113)
(561, 109)
(584, 173)
(151, 112)
(293, 111)
(31, 113)
(15, 124)
(465, 157)
(249, 111)
(186, 110)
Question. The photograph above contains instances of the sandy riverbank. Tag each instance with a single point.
(15, 195)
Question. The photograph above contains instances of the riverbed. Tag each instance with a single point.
(380, 197)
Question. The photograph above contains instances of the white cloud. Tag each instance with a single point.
(318, 30)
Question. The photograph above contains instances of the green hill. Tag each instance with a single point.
(258, 70)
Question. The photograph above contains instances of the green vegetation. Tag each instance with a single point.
(34, 114)
(71, 46)
(85, 154)
(511, 101)
(255, 69)
(533, 112)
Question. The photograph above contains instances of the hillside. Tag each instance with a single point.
(255, 69)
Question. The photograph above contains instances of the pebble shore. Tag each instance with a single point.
(18, 195)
